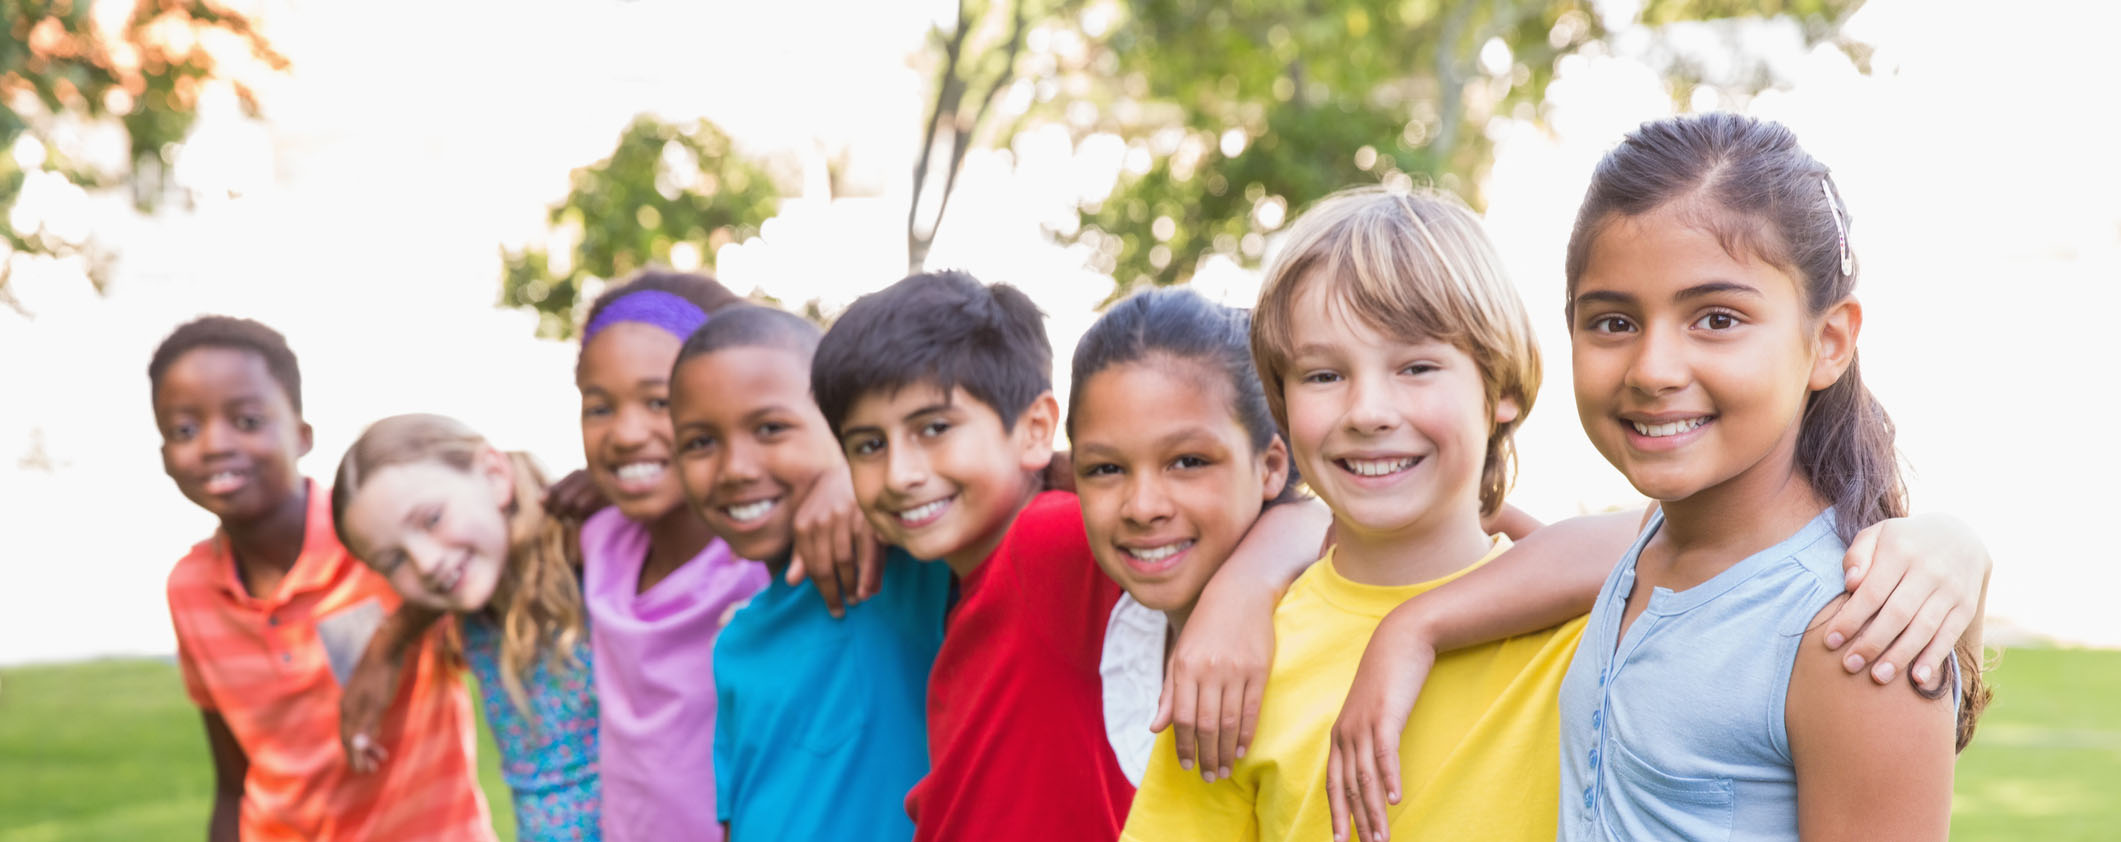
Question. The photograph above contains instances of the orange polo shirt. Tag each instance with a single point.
(272, 666)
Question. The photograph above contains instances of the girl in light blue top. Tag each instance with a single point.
(1714, 334)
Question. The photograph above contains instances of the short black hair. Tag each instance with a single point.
(943, 328)
(705, 292)
(232, 333)
(752, 326)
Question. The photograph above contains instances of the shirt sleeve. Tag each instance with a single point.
(1060, 580)
(187, 660)
(1175, 805)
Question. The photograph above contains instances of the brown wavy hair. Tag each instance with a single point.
(1748, 183)
(538, 600)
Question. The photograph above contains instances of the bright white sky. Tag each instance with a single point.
(396, 159)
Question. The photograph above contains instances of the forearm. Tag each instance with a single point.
(399, 634)
(1282, 543)
(225, 825)
(1550, 577)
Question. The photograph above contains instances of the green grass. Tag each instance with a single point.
(111, 750)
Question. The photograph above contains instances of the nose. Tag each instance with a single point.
(1146, 502)
(216, 435)
(1369, 410)
(1658, 364)
(424, 553)
(739, 463)
(907, 467)
(633, 427)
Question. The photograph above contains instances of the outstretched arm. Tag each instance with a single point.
(231, 766)
(1218, 669)
(374, 683)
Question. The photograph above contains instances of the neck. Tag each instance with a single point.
(1708, 531)
(1428, 549)
(968, 558)
(273, 541)
(673, 539)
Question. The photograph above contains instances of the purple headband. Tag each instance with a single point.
(665, 310)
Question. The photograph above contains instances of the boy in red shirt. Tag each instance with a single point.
(939, 389)
(271, 614)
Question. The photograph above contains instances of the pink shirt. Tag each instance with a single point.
(654, 663)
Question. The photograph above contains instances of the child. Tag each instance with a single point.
(805, 703)
(658, 584)
(1400, 361)
(1714, 333)
(938, 389)
(272, 612)
(1521, 593)
(458, 527)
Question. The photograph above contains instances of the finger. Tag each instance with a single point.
(794, 574)
(1863, 596)
(1387, 769)
(1182, 720)
(1164, 702)
(1368, 786)
(1930, 668)
(1336, 798)
(1352, 782)
(1226, 729)
(869, 561)
(1253, 693)
(817, 559)
(841, 538)
(1206, 717)
(1898, 608)
(1923, 628)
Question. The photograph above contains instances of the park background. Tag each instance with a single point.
(422, 195)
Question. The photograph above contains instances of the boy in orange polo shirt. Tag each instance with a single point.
(271, 614)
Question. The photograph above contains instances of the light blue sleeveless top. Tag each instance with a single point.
(1677, 731)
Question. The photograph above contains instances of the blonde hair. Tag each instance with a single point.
(1409, 265)
(538, 600)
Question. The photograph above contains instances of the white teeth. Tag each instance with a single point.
(640, 472)
(923, 511)
(1154, 554)
(1378, 467)
(750, 511)
(1674, 428)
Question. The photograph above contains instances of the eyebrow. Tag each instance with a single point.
(931, 408)
(1700, 290)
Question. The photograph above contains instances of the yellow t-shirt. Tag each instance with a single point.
(1480, 758)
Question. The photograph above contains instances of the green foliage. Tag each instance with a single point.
(60, 68)
(664, 187)
(1323, 94)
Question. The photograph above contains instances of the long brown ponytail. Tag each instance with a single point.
(1762, 194)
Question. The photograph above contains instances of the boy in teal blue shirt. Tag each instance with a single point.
(805, 703)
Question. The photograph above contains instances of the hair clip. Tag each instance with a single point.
(1841, 229)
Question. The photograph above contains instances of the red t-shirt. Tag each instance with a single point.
(1016, 728)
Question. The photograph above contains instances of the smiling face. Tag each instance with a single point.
(1391, 432)
(438, 534)
(1167, 475)
(749, 438)
(1692, 366)
(938, 474)
(624, 377)
(230, 436)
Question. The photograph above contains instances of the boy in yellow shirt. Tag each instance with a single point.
(1400, 361)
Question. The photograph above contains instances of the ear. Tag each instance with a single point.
(1506, 411)
(1834, 343)
(1274, 476)
(1034, 432)
(307, 439)
(499, 472)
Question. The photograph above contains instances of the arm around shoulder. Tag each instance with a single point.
(1872, 762)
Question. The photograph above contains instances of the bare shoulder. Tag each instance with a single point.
(1872, 761)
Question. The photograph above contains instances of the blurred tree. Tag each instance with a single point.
(64, 70)
(1237, 115)
(977, 51)
(668, 195)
